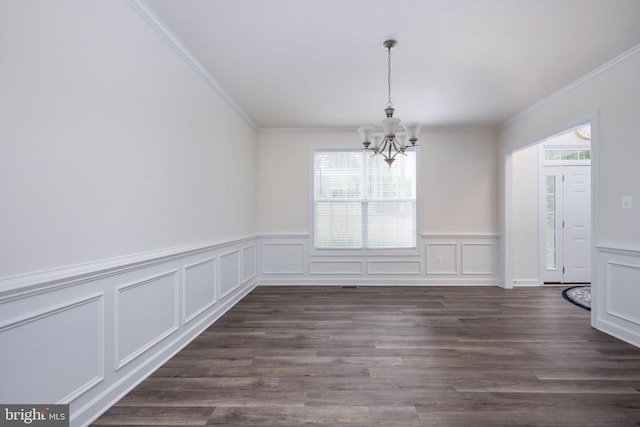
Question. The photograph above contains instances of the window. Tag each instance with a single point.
(552, 261)
(362, 203)
(566, 154)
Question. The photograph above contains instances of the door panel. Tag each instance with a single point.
(567, 222)
(577, 223)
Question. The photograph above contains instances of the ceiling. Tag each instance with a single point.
(320, 64)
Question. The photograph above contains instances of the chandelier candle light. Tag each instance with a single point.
(391, 142)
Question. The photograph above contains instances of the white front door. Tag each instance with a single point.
(567, 210)
(577, 223)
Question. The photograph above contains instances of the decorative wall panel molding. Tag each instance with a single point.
(62, 348)
(249, 265)
(107, 325)
(336, 267)
(283, 257)
(290, 259)
(200, 288)
(229, 272)
(623, 295)
(616, 291)
(394, 267)
(478, 258)
(442, 258)
(146, 312)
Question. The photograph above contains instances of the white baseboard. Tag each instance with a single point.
(526, 282)
(339, 282)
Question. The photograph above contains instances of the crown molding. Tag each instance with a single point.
(309, 130)
(582, 80)
(460, 128)
(154, 21)
(427, 129)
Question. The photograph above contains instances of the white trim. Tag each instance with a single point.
(371, 271)
(283, 235)
(300, 270)
(609, 307)
(618, 331)
(208, 304)
(312, 130)
(397, 267)
(357, 262)
(463, 271)
(459, 235)
(104, 279)
(505, 255)
(238, 256)
(526, 282)
(121, 362)
(154, 21)
(370, 253)
(254, 273)
(98, 298)
(456, 259)
(632, 249)
(354, 129)
(417, 281)
(116, 390)
(24, 285)
(589, 76)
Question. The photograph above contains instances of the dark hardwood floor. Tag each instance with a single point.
(394, 356)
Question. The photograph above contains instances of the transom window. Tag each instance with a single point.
(362, 203)
(567, 154)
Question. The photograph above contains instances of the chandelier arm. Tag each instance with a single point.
(397, 147)
(382, 146)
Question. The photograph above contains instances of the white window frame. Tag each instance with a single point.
(313, 250)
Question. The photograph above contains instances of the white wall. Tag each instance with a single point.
(458, 196)
(110, 144)
(128, 191)
(458, 173)
(611, 97)
(525, 217)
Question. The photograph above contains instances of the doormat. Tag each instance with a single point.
(579, 295)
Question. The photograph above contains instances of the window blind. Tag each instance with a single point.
(362, 203)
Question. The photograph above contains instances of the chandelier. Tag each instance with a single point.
(391, 142)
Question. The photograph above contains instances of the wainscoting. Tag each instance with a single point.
(451, 259)
(86, 335)
(616, 294)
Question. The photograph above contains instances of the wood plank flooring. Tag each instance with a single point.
(394, 356)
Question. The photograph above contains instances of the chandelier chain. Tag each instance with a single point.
(389, 104)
